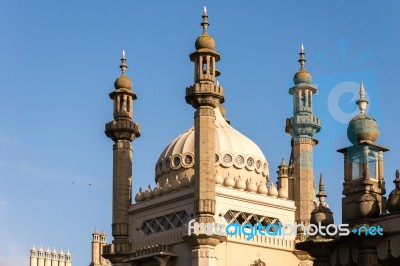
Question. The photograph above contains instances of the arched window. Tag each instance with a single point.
(373, 164)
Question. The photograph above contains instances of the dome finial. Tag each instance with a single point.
(397, 179)
(302, 59)
(321, 194)
(302, 76)
(362, 102)
(205, 23)
(123, 65)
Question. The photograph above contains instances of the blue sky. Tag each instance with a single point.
(59, 59)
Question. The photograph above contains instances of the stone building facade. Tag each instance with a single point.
(214, 175)
(40, 257)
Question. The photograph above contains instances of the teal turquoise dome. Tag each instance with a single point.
(362, 128)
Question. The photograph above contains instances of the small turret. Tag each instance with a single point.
(283, 178)
(68, 261)
(393, 202)
(321, 213)
(47, 257)
(33, 256)
(41, 256)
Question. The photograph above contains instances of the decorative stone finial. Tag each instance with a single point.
(397, 180)
(393, 202)
(362, 102)
(205, 41)
(205, 23)
(123, 81)
(302, 59)
(302, 76)
(123, 65)
(367, 205)
(321, 194)
(321, 213)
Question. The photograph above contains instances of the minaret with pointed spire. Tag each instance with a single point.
(68, 261)
(283, 175)
(363, 164)
(61, 258)
(54, 257)
(320, 245)
(122, 130)
(302, 127)
(47, 257)
(204, 95)
(41, 256)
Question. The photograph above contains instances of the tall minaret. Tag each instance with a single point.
(302, 127)
(122, 130)
(204, 95)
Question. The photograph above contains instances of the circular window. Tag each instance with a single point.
(258, 164)
(227, 158)
(250, 162)
(177, 161)
(239, 160)
(188, 159)
(216, 158)
(167, 163)
(265, 169)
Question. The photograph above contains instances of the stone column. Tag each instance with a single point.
(303, 179)
(204, 193)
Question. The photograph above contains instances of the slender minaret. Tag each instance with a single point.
(302, 127)
(204, 95)
(122, 130)
(33, 257)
